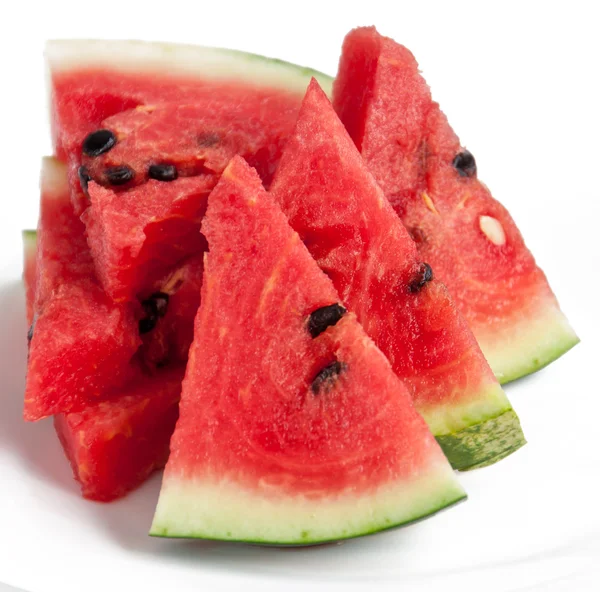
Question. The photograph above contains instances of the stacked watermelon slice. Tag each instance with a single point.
(208, 214)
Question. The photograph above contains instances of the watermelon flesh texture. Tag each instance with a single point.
(82, 342)
(269, 447)
(113, 446)
(197, 138)
(469, 239)
(172, 337)
(138, 235)
(92, 81)
(334, 203)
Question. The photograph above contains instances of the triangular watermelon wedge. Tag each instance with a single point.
(302, 433)
(468, 238)
(82, 343)
(341, 214)
(114, 445)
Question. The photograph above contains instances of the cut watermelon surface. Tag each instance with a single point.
(92, 81)
(114, 445)
(95, 79)
(136, 236)
(336, 206)
(303, 433)
(82, 343)
(469, 239)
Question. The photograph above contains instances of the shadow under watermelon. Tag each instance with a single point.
(34, 444)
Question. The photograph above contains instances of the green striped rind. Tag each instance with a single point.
(530, 344)
(478, 432)
(484, 443)
(169, 59)
(215, 509)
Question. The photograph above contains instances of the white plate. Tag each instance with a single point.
(527, 106)
(531, 519)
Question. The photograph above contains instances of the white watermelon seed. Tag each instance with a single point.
(492, 229)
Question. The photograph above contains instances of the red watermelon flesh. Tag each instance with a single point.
(469, 239)
(341, 214)
(179, 292)
(194, 139)
(302, 433)
(94, 80)
(82, 342)
(29, 271)
(136, 236)
(114, 445)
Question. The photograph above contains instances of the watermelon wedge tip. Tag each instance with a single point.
(302, 434)
(468, 237)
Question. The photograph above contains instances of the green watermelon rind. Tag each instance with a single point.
(484, 443)
(530, 344)
(179, 507)
(471, 434)
(169, 59)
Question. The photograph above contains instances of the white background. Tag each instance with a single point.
(519, 82)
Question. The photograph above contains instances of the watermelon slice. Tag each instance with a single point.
(127, 112)
(469, 239)
(29, 271)
(82, 343)
(94, 80)
(136, 236)
(302, 434)
(341, 214)
(114, 445)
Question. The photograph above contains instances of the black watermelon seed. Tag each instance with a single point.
(326, 378)
(207, 140)
(119, 175)
(99, 142)
(464, 163)
(417, 234)
(423, 276)
(147, 324)
(84, 179)
(155, 308)
(30, 334)
(160, 302)
(324, 317)
(163, 172)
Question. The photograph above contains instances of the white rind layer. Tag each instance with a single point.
(181, 60)
(529, 345)
(456, 416)
(223, 510)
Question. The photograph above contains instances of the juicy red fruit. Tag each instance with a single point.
(83, 342)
